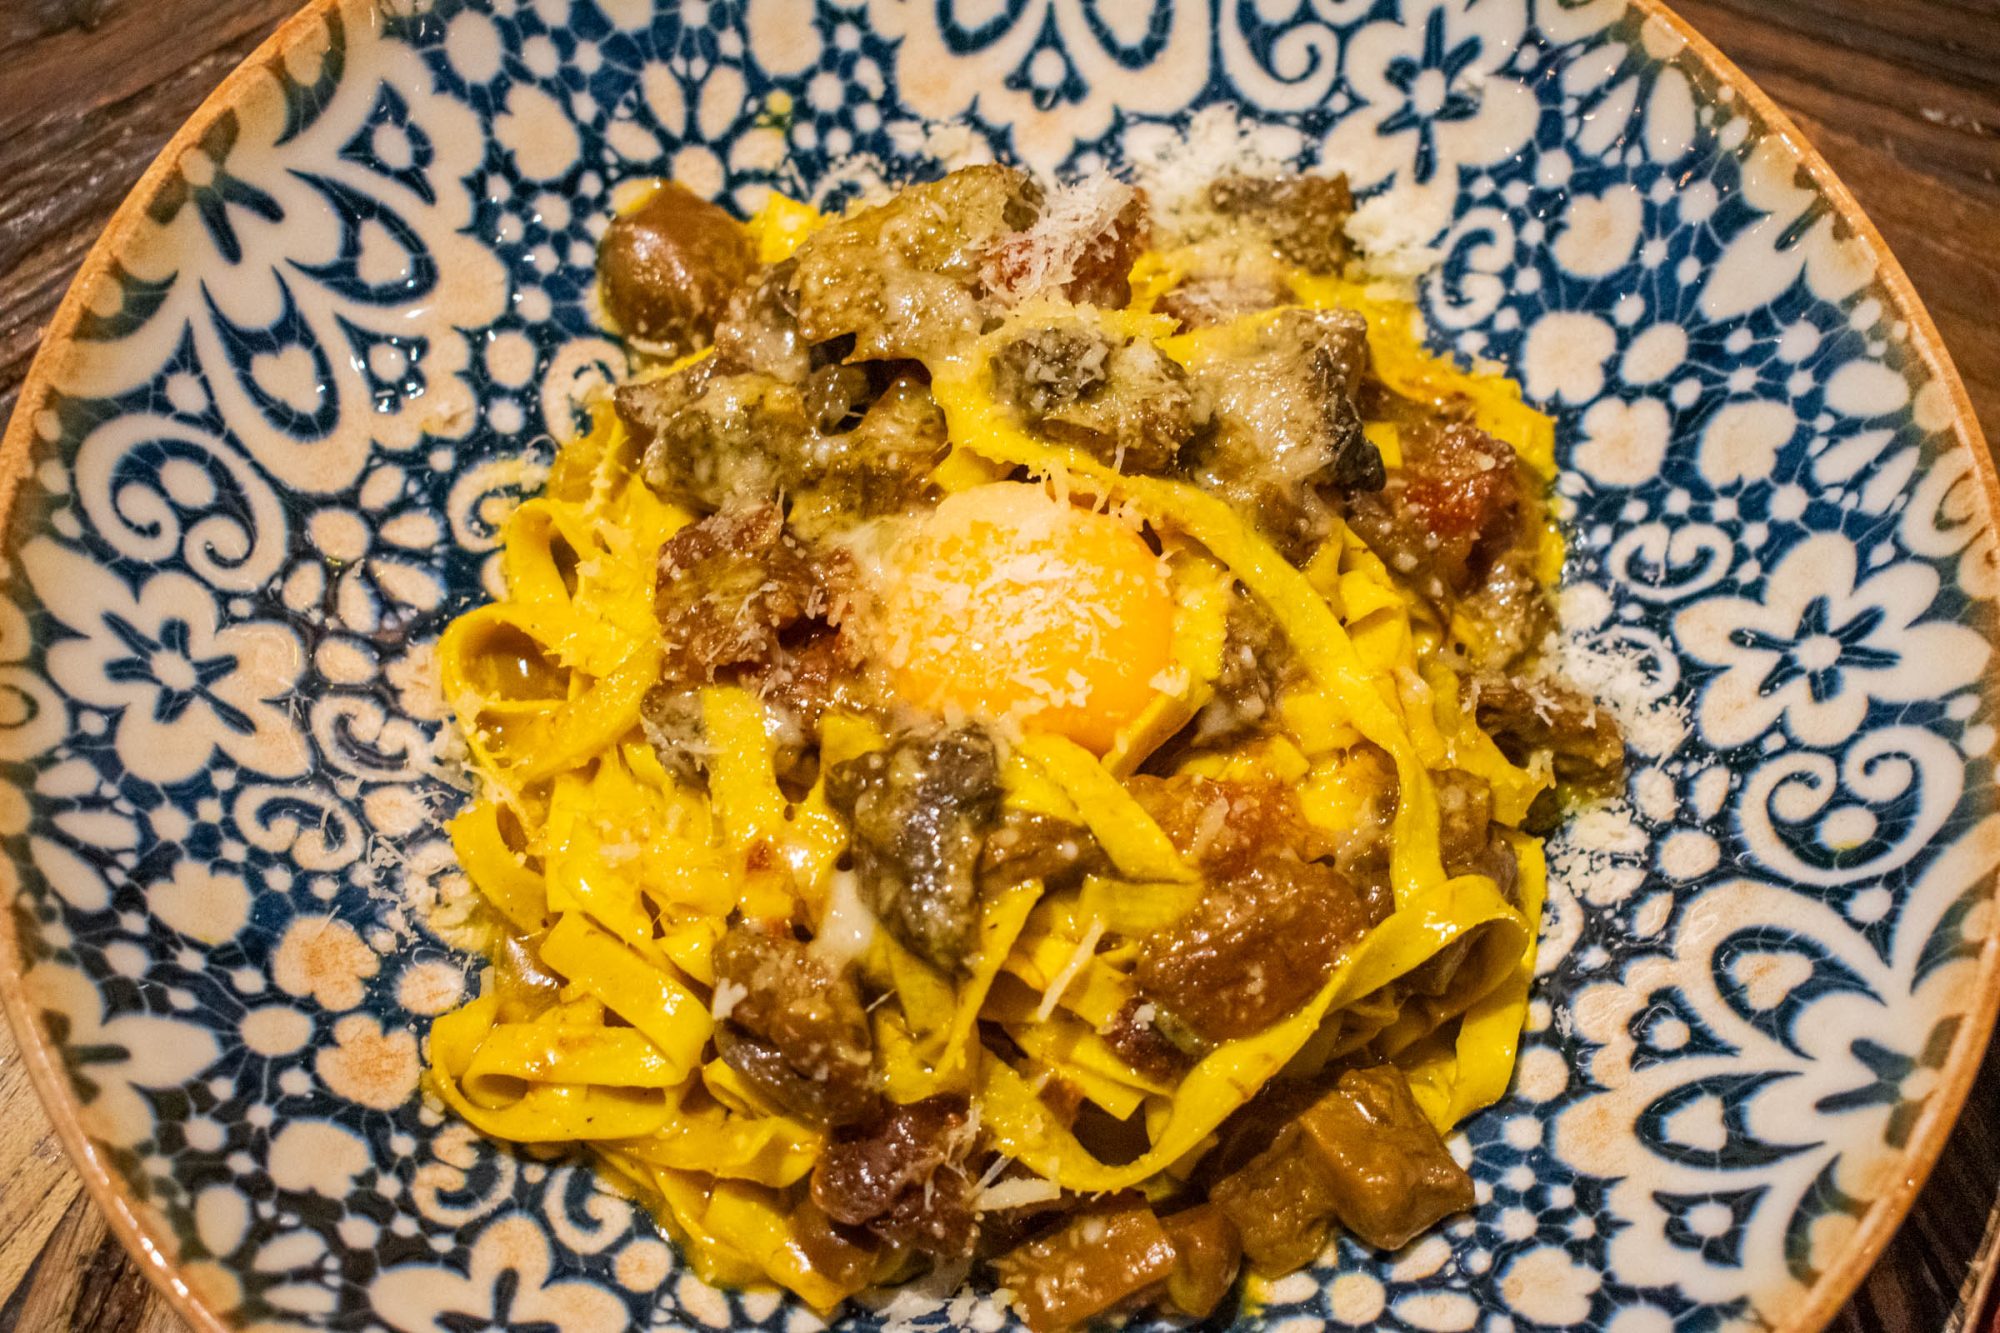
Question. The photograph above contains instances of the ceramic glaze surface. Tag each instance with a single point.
(266, 463)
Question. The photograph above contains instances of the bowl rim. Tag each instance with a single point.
(1835, 1284)
(110, 1193)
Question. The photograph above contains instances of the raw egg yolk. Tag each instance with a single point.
(1006, 602)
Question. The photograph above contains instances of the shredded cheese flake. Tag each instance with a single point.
(1079, 957)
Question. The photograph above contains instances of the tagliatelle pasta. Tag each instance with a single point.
(786, 900)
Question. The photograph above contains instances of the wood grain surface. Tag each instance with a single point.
(1903, 97)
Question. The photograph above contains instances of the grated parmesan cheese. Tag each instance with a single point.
(1043, 259)
(1016, 1193)
(993, 1170)
(1600, 856)
(1394, 239)
(1086, 949)
(728, 994)
(848, 927)
(1174, 164)
(915, 1304)
(1622, 670)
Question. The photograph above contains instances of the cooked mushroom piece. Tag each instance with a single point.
(713, 436)
(1458, 500)
(1305, 216)
(1363, 1155)
(666, 267)
(919, 812)
(1093, 1264)
(1287, 432)
(1543, 714)
(1122, 400)
(903, 277)
(879, 464)
(1207, 1255)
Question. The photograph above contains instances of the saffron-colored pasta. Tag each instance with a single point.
(623, 868)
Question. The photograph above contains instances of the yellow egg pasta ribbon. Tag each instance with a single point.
(1128, 835)
(555, 1107)
(646, 995)
(1472, 1072)
(495, 869)
(1021, 1126)
(773, 1150)
(757, 1222)
(517, 743)
(913, 1070)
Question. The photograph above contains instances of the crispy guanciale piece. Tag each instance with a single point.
(1287, 432)
(809, 675)
(1256, 947)
(919, 812)
(902, 1177)
(1460, 519)
(1135, 1033)
(1273, 919)
(728, 586)
(1121, 400)
(804, 680)
(903, 276)
(1526, 714)
(1207, 1255)
(793, 1026)
(1459, 500)
(1102, 272)
(1093, 1264)
(1388, 1173)
(1305, 216)
(666, 268)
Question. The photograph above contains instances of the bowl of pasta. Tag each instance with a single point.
(786, 666)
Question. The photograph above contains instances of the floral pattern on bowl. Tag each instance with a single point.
(262, 455)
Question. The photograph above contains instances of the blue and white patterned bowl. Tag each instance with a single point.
(259, 460)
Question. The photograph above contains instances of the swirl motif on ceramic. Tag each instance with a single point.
(269, 457)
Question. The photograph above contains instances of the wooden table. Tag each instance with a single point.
(1903, 96)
